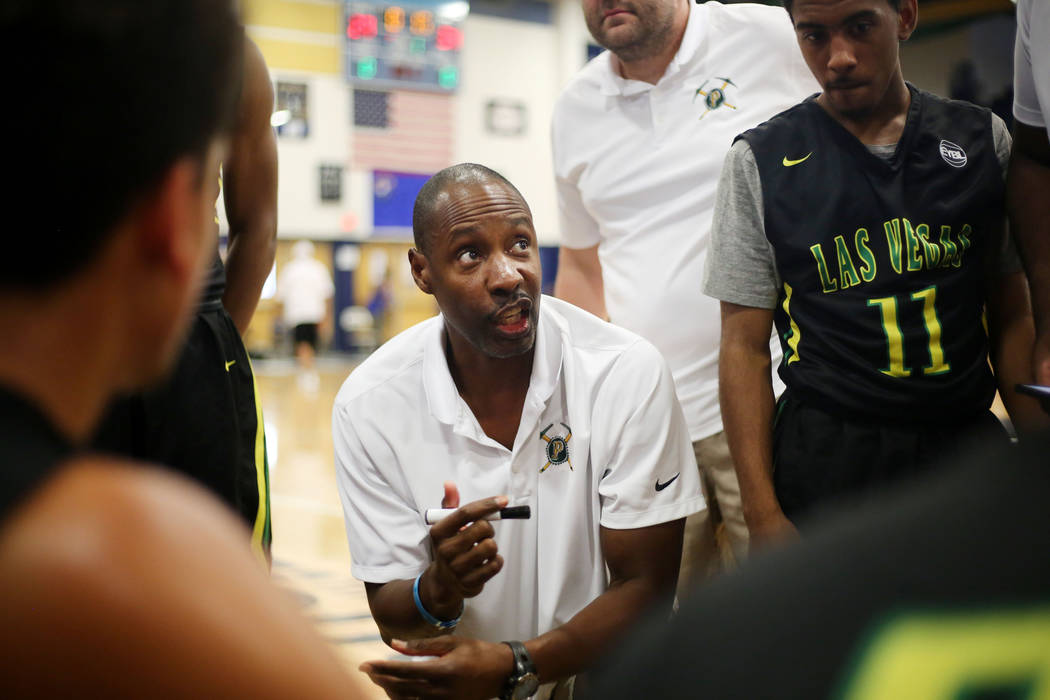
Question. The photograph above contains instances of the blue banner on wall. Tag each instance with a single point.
(393, 195)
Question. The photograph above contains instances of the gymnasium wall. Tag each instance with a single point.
(512, 61)
(502, 60)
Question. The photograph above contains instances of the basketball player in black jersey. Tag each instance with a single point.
(203, 421)
(118, 580)
(868, 223)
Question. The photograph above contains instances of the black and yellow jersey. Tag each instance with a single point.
(884, 261)
(939, 590)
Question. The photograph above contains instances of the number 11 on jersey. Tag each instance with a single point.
(895, 338)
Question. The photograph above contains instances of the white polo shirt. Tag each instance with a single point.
(304, 286)
(1032, 63)
(401, 430)
(637, 166)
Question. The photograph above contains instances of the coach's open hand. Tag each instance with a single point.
(466, 669)
(465, 555)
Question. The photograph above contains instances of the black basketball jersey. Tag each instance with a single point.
(214, 285)
(30, 450)
(884, 262)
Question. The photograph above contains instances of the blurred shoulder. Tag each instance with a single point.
(100, 517)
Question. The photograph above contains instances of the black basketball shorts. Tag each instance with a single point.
(203, 421)
(822, 456)
(305, 333)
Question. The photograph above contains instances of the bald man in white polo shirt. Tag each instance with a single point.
(507, 398)
(639, 137)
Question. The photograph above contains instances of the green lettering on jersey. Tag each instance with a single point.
(954, 654)
(964, 244)
(868, 268)
(930, 250)
(894, 337)
(794, 335)
(913, 245)
(928, 297)
(827, 282)
(893, 241)
(847, 271)
(950, 249)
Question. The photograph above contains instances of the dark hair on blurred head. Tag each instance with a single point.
(895, 4)
(104, 97)
(427, 199)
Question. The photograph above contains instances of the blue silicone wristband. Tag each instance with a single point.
(440, 624)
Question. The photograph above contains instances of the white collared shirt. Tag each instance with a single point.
(637, 166)
(1032, 64)
(401, 430)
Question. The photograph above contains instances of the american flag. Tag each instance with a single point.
(402, 131)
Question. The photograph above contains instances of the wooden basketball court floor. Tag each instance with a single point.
(310, 554)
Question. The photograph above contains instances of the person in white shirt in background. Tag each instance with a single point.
(639, 137)
(1028, 179)
(511, 393)
(304, 288)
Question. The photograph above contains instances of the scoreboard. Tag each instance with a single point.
(413, 45)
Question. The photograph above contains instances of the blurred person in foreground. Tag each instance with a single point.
(940, 589)
(868, 224)
(506, 398)
(118, 580)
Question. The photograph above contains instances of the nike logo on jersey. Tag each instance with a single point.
(230, 364)
(661, 487)
(788, 163)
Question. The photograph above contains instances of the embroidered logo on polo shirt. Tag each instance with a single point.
(953, 154)
(714, 97)
(557, 447)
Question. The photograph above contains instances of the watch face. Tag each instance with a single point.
(525, 687)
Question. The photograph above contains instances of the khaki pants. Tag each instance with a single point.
(716, 539)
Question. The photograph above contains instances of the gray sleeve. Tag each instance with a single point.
(1003, 142)
(740, 265)
(1009, 258)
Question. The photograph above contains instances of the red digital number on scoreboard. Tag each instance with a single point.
(448, 38)
(362, 26)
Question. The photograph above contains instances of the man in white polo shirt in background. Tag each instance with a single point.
(1028, 180)
(506, 399)
(639, 137)
(305, 290)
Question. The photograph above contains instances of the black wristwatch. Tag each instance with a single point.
(523, 680)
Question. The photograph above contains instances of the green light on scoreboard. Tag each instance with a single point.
(367, 68)
(418, 45)
(448, 77)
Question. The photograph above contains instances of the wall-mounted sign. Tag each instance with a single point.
(405, 45)
(331, 179)
(393, 197)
